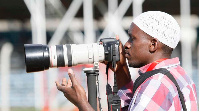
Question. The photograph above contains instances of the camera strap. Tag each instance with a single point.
(146, 75)
(114, 102)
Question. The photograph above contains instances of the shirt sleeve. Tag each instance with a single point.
(152, 96)
(126, 94)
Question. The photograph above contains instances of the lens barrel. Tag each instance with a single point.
(36, 57)
(40, 57)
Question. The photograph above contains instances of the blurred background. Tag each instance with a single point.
(56, 22)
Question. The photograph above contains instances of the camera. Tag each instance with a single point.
(40, 57)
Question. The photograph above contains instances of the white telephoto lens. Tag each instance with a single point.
(74, 54)
(87, 53)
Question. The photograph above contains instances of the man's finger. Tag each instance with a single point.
(69, 83)
(59, 87)
(57, 83)
(117, 37)
(64, 82)
(72, 77)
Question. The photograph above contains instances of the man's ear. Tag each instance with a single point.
(153, 45)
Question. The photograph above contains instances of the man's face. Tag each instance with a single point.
(137, 47)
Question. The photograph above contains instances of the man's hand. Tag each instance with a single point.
(74, 92)
(122, 72)
(122, 61)
(121, 69)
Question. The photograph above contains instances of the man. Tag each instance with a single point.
(153, 36)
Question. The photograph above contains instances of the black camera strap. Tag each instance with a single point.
(144, 76)
(114, 102)
(108, 90)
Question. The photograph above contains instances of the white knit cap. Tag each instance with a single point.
(159, 25)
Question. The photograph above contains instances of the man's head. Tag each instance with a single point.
(153, 35)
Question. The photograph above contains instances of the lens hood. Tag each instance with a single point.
(36, 57)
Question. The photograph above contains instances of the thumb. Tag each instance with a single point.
(72, 77)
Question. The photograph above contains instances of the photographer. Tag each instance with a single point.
(152, 37)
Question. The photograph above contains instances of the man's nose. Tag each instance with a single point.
(127, 45)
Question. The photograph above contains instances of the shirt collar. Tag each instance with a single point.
(164, 64)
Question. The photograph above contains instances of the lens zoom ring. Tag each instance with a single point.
(60, 56)
(69, 55)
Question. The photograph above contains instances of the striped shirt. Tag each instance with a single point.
(158, 92)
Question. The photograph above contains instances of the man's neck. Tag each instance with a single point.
(158, 57)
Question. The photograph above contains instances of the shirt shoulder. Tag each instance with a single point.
(153, 94)
(161, 90)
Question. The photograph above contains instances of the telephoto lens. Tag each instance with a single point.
(40, 57)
